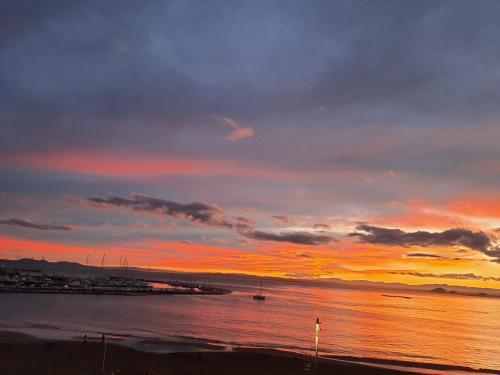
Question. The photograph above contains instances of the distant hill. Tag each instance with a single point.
(226, 279)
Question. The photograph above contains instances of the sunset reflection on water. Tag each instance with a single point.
(423, 327)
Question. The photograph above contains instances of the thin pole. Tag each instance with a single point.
(104, 354)
(317, 335)
(102, 262)
(317, 342)
(87, 260)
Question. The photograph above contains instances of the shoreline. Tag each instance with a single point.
(152, 351)
(112, 292)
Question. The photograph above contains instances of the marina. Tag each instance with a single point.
(34, 281)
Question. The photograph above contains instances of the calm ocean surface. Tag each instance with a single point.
(446, 329)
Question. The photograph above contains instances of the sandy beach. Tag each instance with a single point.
(23, 354)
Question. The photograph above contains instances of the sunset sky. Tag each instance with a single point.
(312, 139)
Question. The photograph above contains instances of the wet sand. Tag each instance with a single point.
(23, 354)
(200, 345)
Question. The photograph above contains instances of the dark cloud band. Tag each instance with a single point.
(478, 241)
(210, 215)
(29, 224)
(456, 276)
(301, 238)
(194, 211)
(423, 255)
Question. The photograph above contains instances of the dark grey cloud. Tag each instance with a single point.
(494, 253)
(31, 225)
(300, 238)
(478, 241)
(423, 255)
(390, 236)
(194, 211)
(457, 276)
(207, 214)
(242, 223)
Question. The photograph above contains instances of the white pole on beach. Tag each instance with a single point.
(316, 346)
(317, 335)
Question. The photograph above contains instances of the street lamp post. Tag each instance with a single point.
(317, 335)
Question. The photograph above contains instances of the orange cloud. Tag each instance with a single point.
(477, 206)
(238, 132)
(418, 214)
(120, 165)
(107, 164)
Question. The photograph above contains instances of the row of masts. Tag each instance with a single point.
(124, 261)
